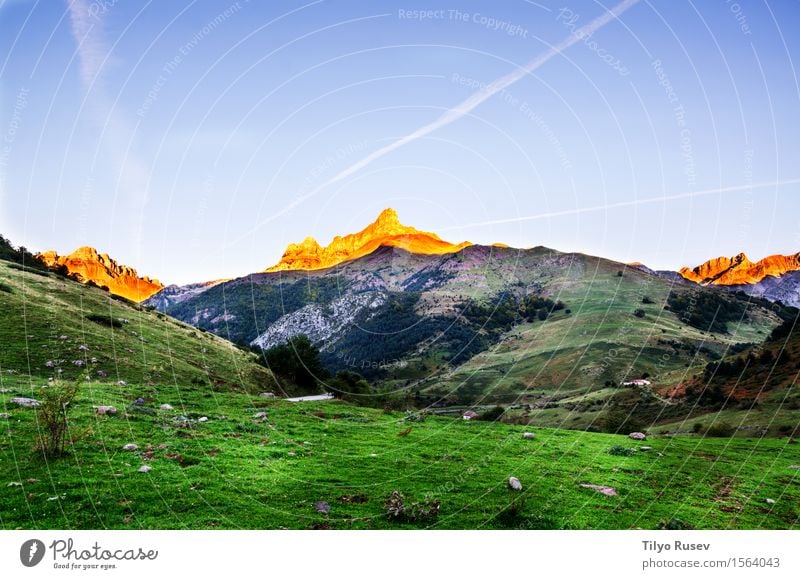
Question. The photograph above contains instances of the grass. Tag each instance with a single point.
(236, 471)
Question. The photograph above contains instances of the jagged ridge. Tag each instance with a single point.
(739, 270)
(386, 230)
(86, 264)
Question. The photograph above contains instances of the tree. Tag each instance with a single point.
(350, 386)
(53, 414)
(298, 362)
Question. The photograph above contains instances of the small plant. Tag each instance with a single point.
(639, 312)
(647, 300)
(619, 273)
(412, 416)
(105, 320)
(619, 450)
(674, 525)
(53, 416)
(398, 510)
(697, 427)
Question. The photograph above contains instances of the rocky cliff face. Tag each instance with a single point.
(86, 264)
(385, 231)
(739, 270)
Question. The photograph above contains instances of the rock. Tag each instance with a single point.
(130, 446)
(322, 507)
(608, 491)
(103, 410)
(145, 468)
(645, 448)
(203, 419)
(5, 415)
(139, 402)
(513, 483)
(14, 484)
(637, 436)
(166, 407)
(267, 395)
(794, 466)
(122, 383)
(83, 348)
(32, 480)
(261, 415)
(770, 501)
(528, 435)
(5, 390)
(25, 402)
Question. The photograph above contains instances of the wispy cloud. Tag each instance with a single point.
(117, 130)
(630, 203)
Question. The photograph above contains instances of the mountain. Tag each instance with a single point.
(386, 230)
(175, 294)
(87, 265)
(739, 270)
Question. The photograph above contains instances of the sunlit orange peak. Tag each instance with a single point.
(739, 270)
(386, 230)
(87, 265)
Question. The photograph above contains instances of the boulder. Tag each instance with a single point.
(637, 436)
(130, 446)
(267, 395)
(25, 402)
(203, 419)
(261, 415)
(166, 407)
(528, 435)
(514, 484)
(145, 468)
(770, 501)
(322, 507)
(645, 448)
(103, 410)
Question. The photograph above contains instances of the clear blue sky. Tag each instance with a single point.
(192, 140)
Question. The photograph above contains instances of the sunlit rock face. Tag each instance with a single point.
(384, 231)
(87, 265)
(739, 270)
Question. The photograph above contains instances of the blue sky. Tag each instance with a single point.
(195, 140)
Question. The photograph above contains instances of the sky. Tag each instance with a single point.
(195, 140)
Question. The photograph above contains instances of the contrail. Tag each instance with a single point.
(455, 113)
(488, 91)
(634, 202)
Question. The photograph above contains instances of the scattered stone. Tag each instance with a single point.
(261, 415)
(122, 383)
(79, 363)
(770, 501)
(32, 480)
(794, 466)
(14, 484)
(166, 407)
(93, 360)
(291, 453)
(63, 337)
(83, 348)
(637, 436)
(322, 507)
(267, 395)
(5, 415)
(25, 402)
(513, 483)
(528, 435)
(145, 468)
(608, 491)
(102, 374)
(139, 402)
(103, 410)
(5, 390)
(130, 446)
(469, 415)
(645, 448)
(203, 419)
(49, 364)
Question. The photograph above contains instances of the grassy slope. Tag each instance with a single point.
(45, 320)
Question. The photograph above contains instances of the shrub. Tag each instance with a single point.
(53, 416)
(398, 510)
(492, 414)
(105, 320)
(647, 300)
(639, 312)
(6, 288)
(720, 430)
(697, 427)
(619, 450)
(298, 361)
(674, 525)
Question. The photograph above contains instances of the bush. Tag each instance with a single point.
(53, 416)
(492, 414)
(619, 450)
(6, 288)
(398, 510)
(639, 312)
(647, 300)
(697, 427)
(297, 361)
(105, 320)
(721, 430)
